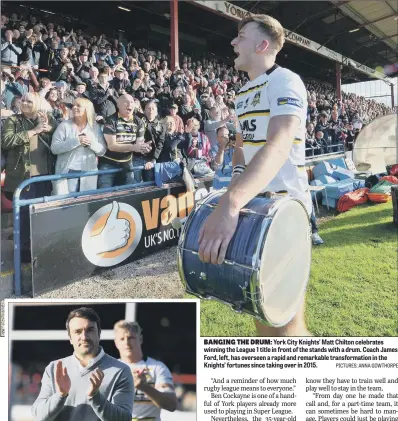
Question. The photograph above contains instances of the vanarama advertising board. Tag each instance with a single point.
(75, 239)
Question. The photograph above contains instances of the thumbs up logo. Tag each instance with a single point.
(112, 234)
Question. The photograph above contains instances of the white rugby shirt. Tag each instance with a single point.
(278, 91)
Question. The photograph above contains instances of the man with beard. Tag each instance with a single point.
(88, 385)
(154, 389)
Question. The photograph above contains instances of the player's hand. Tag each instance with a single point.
(216, 234)
(149, 165)
(114, 235)
(95, 382)
(62, 380)
(139, 376)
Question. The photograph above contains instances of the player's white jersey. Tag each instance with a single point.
(158, 374)
(276, 92)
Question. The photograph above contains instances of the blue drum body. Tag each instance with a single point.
(263, 279)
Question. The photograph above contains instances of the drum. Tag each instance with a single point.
(267, 263)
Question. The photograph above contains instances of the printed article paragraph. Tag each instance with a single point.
(293, 379)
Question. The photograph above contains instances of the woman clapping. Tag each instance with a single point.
(77, 143)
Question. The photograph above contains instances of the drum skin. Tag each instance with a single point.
(242, 280)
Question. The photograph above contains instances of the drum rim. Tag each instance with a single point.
(256, 259)
(188, 222)
(307, 277)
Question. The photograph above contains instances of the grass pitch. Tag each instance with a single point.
(353, 285)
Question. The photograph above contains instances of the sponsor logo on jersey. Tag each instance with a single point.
(248, 125)
(290, 101)
(256, 99)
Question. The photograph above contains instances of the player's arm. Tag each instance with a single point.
(266, 163)
(238, 158)
(163, 395)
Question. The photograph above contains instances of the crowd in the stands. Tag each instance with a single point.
(85, 101)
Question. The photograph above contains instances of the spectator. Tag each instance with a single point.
(322, 143)
(198, 143)
(179, 124)
(11, 88)
(16, 105)
(27, 139)
(186, 108)
(323, 124)
(83, 65)
(103, 97)
(124, 134)
(312, 146)
(45, 85)
(152, 137)
(94, 72)
(68, 75)
(81, 90)
(77, 143)
(33, 47)
(223, 159)
(357, 122)
(211, 125)
(173, 142)
(9, 52)
(59, 111)
(310, 142)
(120, 83)
(349, 134)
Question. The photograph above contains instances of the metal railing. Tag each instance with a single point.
(18, 203)
(330, 148)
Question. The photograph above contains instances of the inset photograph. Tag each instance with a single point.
(102, 360)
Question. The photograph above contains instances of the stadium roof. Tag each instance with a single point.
(380, 18)
(363, 30)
